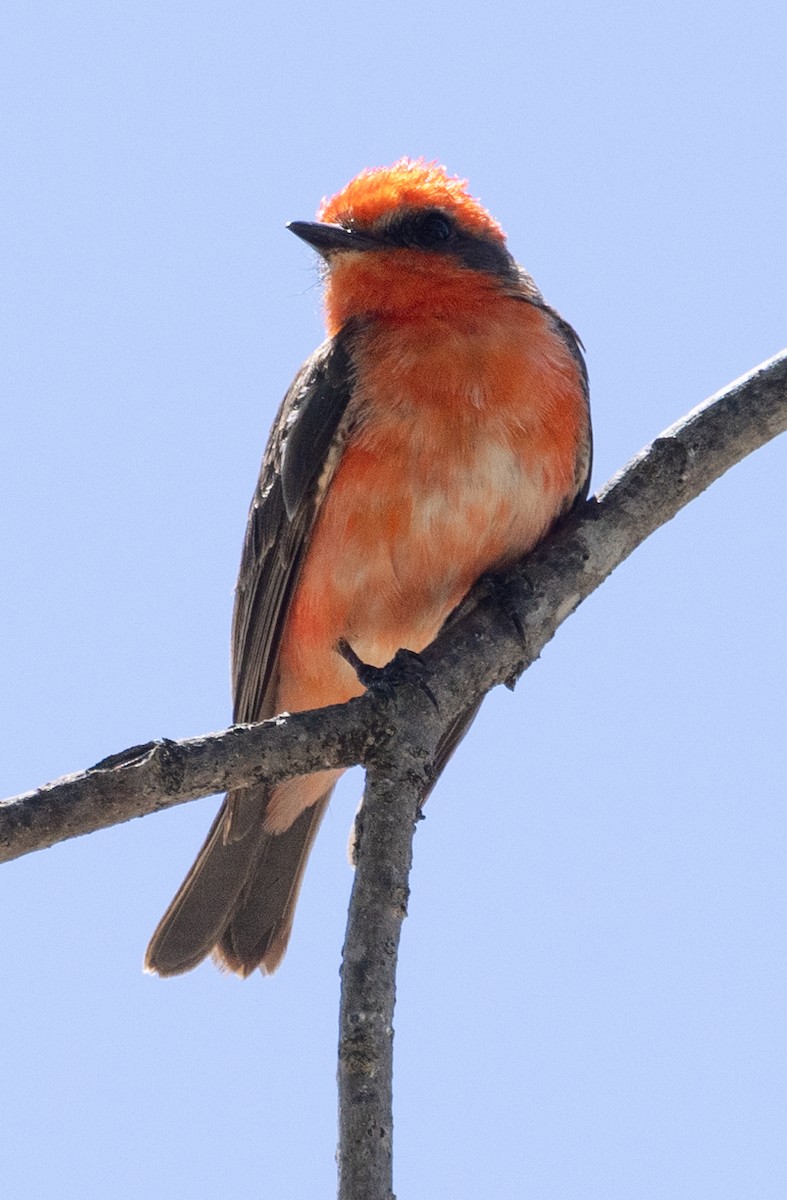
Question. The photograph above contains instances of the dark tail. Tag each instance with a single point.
(238, 900)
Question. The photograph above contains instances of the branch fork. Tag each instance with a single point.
(395, 730)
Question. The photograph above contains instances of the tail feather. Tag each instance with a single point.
(239, 897)
(260, 926)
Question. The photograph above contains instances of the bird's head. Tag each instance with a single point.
(404, 239)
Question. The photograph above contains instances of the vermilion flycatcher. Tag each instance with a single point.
(438, 434)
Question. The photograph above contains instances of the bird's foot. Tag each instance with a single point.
(508, 595)
(405, 667)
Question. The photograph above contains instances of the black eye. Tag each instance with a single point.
(430, 229)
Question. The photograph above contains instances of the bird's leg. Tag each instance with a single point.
(508, 593)
(405, 667)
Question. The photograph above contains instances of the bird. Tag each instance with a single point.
(437, 435)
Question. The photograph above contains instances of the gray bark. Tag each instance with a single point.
(395, 732)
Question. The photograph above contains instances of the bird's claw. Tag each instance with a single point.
(508, 595)
(405, 667)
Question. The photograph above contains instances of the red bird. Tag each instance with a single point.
(438, 434)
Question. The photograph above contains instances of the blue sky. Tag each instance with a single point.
(592, 987)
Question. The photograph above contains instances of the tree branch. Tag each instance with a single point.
(395, 733)
(379, 905)
(481, 646)
(478, 648)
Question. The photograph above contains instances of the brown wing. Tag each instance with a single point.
(526, 292)
(281, 517)
(584, 463)
(238, 858)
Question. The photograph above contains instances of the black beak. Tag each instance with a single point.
(330, 239)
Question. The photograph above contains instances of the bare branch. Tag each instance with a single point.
(474, 652)
(380, 893)
(158, 775)
(396, 732)
(479, 647)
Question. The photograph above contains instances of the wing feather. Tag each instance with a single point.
(304, 446)
(283, 511)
